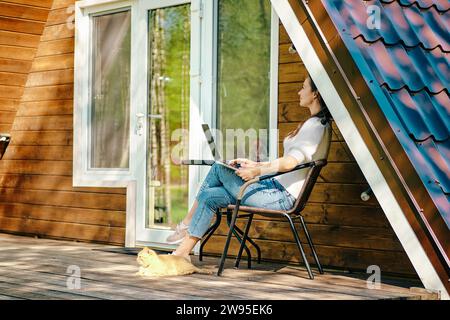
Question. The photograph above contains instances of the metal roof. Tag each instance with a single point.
(407, 57)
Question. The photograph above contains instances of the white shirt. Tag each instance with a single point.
(311, 143)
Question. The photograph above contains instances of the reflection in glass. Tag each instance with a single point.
(243, 86)
(169, 49)
(110, 98)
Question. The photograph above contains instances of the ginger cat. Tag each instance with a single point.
(154, 265)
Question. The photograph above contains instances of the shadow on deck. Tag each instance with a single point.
(38, 269)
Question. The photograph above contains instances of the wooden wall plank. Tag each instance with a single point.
(8, 104)
(17, 53)
(59, 46)
(48, 182)
(43, 123)
(7, 117)
(57, 92)
(12, 79)
(21, 25)
(42, 138)
(5, 128)
(333, 173)
(62, 230)
(47, 78)
(18, 66)
(36, 3)
(59, 31)
(57, 62)
(60, 168)
(76, 199)
(23, 12)
(19, 39)
(60, 16)
(70, 215)
(10, 92)
(66, 4)
(345, 215)
(38, 153)
(291, 72)
(45, 108)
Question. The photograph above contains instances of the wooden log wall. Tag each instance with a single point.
(36, 193)
(348, 233)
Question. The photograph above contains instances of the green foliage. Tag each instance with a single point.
(243, 65)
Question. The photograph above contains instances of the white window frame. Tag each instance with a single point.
(83, 175)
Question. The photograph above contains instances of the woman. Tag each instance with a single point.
(307, 142)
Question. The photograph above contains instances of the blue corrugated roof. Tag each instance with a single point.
(408, 58)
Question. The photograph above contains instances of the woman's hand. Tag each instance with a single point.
(245, 163)
(248, 173)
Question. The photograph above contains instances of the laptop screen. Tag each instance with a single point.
(211, 143)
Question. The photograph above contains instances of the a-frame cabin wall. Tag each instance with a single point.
(348, 232)
(36, 193)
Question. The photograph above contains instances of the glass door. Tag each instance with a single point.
(163, 35)
(168, 116)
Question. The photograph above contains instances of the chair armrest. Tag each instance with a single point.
(316, 163)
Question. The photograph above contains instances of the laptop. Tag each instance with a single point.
(214, 150)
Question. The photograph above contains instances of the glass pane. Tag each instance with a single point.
(110, 117)
(169, 36)
(243, 87)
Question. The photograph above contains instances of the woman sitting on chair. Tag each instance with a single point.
(308, 142)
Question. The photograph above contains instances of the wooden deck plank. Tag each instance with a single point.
(34, 293)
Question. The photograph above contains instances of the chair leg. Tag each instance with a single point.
(244, 239)
(209, 233)
(311, 246)
(299, 245)
(238, 233)
(258, 249)
(227, 242)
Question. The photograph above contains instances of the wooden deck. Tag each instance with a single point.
(37, 269)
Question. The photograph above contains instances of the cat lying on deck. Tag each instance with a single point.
(154, 265)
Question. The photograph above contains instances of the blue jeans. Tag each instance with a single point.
(220, 188)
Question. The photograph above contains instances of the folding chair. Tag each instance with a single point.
(291, 215)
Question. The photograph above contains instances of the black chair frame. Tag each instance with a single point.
(232, 213)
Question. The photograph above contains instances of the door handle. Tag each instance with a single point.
(155, 116)
(140, 124)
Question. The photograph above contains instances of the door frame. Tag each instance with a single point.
(153, 236)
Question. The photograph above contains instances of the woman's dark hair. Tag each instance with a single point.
(324, 114)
